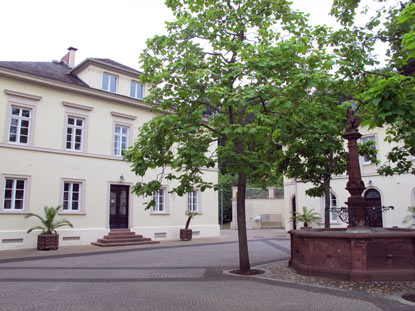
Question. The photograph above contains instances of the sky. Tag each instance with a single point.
(42, 30)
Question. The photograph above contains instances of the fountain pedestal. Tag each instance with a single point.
(358, 253)
(374, 255)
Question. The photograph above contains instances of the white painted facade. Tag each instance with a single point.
(260, 213)
(45, 163)
(397, 191)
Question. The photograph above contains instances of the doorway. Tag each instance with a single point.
(119, 206)
(374, 208)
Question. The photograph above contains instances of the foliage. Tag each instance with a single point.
(387, 96)
(239, 62)
(314, 149)
(307, 217)
(49, 225)
(410, 219)
(226, 182)
(190, 215)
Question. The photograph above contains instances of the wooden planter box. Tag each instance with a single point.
(47, 242)
(185, 234)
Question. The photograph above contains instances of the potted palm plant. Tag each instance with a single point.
(48, 239)
(410, 219)
(307, 217)
(186, 233)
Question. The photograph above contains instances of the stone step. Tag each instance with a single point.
(117, 233)
(122, 236)
(123, 240)
(124, 243)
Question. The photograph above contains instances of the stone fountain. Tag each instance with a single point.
(358, 252)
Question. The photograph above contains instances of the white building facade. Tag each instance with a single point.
(397, 191)
(63, 131)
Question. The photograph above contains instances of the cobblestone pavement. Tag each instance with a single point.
(170, 277)
(281, 271)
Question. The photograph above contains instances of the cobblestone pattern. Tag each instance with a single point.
(177, 278)
(283, 272)
(225, 295)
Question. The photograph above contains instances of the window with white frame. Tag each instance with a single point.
(14, 194)
(109, 83)
(136, 90)
(71, 196)
(365, 159)
(74, 133)
(121, 138)
(19, 130)
(193, 201)
(333, 206)
(159, 197)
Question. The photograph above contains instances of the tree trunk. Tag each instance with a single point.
(244, 265)
(327, 203)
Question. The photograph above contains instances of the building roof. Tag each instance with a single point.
(50, 70)
(107, 64)
(116, 64)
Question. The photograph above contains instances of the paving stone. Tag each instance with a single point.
(283, 272)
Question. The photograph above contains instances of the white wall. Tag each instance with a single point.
(46, 162)
(397, 191)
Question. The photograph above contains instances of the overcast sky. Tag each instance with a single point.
(42, 30)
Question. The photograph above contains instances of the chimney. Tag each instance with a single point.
(69, 57)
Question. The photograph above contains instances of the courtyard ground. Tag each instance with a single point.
(172, 275)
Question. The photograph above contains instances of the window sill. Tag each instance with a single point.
(71, 213)
(74, 151)
(159, 213)
(3, 212)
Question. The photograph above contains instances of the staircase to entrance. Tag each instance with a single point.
(123, 237)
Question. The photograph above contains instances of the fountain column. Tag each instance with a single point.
(356, 203)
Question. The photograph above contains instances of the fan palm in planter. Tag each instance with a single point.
(410, 219)
(49, 238)
(307, 217)
(186, 233)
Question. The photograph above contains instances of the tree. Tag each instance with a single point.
(243, 60)
(387, 96)
(313, 145)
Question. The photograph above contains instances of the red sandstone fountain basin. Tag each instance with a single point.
(370, 254)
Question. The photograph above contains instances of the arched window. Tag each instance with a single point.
(374, 203)
(333, 205)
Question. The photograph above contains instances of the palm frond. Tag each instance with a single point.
(36, 227)
(48, 221)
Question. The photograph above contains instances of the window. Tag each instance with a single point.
(136, 90)
(72, 196)
(74, 133)
(160, 198)
(365, 139)
(109, 83)
(193, 201)
(19, 125)
(21, 117)
(14, 194)
(120, 139)
(333, 205)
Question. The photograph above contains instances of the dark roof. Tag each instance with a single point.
(116, 64)
(50, 70)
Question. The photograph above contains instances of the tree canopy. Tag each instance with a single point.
(254, 75)
(387, 95)
(243, 63)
